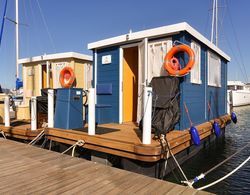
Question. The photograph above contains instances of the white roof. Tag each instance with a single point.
(238, 83)
(55, 57)
(157, 32)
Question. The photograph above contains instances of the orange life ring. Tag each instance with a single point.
(67, 77)
(168, 62)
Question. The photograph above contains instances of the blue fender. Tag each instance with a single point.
(195, 136)
(234, 117)
(217, 130)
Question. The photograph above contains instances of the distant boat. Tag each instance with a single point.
(239, 93)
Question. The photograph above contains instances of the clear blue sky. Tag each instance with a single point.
(75, 23)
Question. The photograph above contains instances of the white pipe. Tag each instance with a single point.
(17, 40)
(146, 134)
(48, 74)
(91, 112)
(216, 24)
(33, 114)
(7, 111)
(51, 108)
(212, 30)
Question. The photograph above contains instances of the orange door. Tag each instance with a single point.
(130, 84)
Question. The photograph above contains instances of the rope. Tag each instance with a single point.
(79, 143)
(37, 138)
(226, 176)
(164, 140)
(188, 115)
(202, 175)
(210, 109)
(3, 134)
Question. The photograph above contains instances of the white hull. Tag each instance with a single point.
(239, 97)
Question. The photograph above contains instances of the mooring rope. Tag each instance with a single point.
(202, 175)
(163, 138)
(37, 138)
(3, 134)
(79, 143)
(226, 176)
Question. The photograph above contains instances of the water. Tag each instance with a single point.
(237, 135)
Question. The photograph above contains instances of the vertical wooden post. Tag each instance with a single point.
(147, 116)
(91, 111)
(51, 108)
(33, 114)
(7, 111)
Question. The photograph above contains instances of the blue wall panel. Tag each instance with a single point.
(108, 74)
(197, 96)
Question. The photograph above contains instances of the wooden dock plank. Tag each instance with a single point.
(24, 171)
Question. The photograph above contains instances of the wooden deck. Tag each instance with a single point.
(30, 170)
(118, 139)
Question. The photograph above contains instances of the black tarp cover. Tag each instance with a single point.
(166, 100)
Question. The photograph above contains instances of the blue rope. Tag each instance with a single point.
(3, 20)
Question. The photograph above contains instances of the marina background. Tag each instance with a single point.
(62, 25)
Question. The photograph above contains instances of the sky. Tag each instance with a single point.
(54, 26)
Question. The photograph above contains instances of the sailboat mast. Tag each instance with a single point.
(214, 29)
(17, 41)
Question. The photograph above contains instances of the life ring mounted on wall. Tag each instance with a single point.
(171, 63)
(67, 77)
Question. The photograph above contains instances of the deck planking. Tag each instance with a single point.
(25, 172)
(122, 140)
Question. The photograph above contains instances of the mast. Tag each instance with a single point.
(17, 40)
(214, 30)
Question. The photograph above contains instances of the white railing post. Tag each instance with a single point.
(7, 111)
(91, 111)
(51, 108)
(33, 114)
(146, 134)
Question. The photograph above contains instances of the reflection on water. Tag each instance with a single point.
(237, 135)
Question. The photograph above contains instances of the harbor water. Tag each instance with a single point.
(236, 136)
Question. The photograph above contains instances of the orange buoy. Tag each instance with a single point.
(67, 77)
(170, 62)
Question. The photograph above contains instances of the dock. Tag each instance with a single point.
(27, 169)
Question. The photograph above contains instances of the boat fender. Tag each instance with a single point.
(195, 136)
(67, 77)
(169, 58)
(234, 117)
(217, 130)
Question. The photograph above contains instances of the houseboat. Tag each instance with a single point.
(43, 72)
(153, 91)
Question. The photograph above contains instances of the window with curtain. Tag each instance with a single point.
(214, 70)
(195, 74)
(156, 53)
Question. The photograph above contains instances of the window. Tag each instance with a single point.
(195, 74)
(156, 54)
(214, 70)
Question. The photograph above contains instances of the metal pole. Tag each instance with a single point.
(33, 114)
(146, 134)
(212, 30)
(216, 24)
(17, 40)
(91, 112)
(51, 108)
(7, 111)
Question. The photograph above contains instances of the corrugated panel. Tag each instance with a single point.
(108, 74)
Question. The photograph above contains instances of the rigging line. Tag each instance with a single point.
(235, 57)
(39, 43)
(46, 26)
(3, 20)
(237, 41)
(26, 31)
